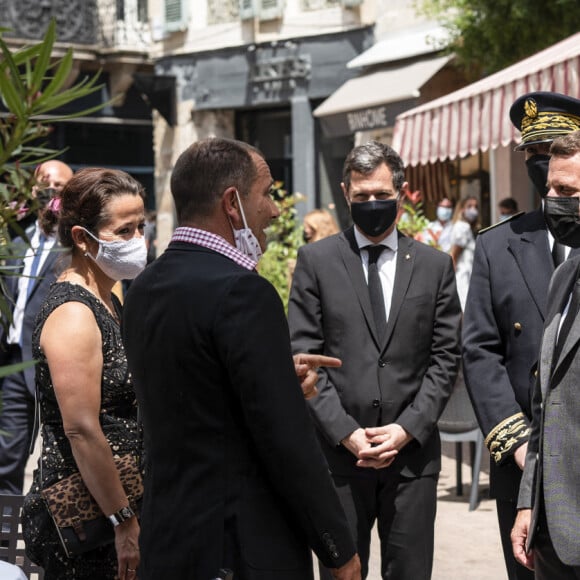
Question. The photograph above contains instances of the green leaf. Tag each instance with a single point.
(10, 96)
(59, 78)
(35, 159)
(82, 89)
(43, 60)
(9, 72)
(11, 369)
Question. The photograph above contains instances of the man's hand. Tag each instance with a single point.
(520, 456)
(385, 443)
(519, 535)
(356, 442)
(350, 570)
(306, 365)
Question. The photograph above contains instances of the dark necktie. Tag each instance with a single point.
(569, 320)
(35, 264)
(558, 253)
(376, 290)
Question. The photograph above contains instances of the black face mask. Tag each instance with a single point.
(374, 217)
(563, 219)
(44, 195)
(538, 172)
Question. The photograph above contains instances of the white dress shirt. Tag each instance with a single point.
(386, 264)
(14, 334)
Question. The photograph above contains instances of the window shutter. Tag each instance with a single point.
(271, 9)
(175, 15)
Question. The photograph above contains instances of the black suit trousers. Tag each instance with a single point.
(506, 515)
(405, 511)
(16, 426)
(547, 565)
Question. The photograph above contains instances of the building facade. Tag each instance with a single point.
(112, 38)
(257, 70)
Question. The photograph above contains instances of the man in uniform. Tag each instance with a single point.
(505, 311)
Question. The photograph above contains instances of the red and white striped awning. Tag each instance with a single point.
(476, 117)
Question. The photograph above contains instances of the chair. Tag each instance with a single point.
(11, 541)
(458, 424)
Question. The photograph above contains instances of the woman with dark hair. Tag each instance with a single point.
(87, 402)
(465, 226)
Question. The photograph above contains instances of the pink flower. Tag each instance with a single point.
(54, 205)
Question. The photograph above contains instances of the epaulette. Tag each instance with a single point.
(501, 223)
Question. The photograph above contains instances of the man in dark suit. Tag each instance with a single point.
(377, 414)
(505, 311)
(547, 539)
(26, 280)
(235, 476)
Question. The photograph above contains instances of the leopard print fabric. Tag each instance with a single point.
(69, 500)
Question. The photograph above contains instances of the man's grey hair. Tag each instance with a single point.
(567, 145)
(366, 158)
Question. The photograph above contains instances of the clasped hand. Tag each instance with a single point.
(376, 447)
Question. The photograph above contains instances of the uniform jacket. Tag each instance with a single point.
(233, 464)
(502, 329)
(405, 378)
(552, 467)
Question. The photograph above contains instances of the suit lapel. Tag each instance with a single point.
(47, 267)
(531, 253)
(351, 258)
(574, 334)
(547, 350)
(403, 271)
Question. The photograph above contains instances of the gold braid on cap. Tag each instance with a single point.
(531, 108)
(507, 436)
(547, 125)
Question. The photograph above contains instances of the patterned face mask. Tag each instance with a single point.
(245, 239)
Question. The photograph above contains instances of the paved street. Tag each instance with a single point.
(467, 544)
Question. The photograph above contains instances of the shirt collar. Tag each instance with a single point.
(391, 241)
(213, 242)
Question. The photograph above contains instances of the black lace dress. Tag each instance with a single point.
(118, 420)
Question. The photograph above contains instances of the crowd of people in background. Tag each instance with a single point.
(261, 438)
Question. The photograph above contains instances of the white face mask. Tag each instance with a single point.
(444, 213)
(120, 259)
(245, 239)
(470, 214)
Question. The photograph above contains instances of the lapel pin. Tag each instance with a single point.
(408, 257)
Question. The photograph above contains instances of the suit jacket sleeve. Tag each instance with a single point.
(557, 292)
(528, 482)
(253, 329)
(420, 417)
(305, 319)
(500, 417)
